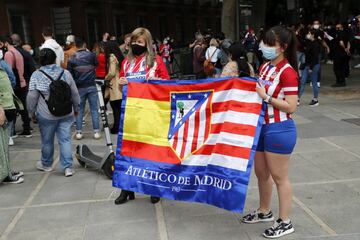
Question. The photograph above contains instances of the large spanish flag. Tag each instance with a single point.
(191, 140)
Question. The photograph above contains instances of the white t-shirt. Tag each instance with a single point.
(211, 52)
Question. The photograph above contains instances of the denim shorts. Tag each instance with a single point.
(277, 137)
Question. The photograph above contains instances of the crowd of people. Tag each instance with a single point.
(282, 58)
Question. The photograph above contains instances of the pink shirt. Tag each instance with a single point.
(15, 60)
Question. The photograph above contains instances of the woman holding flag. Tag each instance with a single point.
(140, 63)
(278, 86)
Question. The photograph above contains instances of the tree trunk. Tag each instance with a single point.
(228, 18)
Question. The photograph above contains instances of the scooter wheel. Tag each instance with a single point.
(109, 166)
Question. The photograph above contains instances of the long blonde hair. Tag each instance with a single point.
(145, 33)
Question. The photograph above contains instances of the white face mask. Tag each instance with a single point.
(31, 52)
(1, 54)
(308, 36)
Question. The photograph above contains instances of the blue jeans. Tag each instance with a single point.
(89, 93)
(62, 128)
(314, 78)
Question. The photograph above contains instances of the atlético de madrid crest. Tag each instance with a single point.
(190, 121)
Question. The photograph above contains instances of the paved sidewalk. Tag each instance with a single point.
(325, 172)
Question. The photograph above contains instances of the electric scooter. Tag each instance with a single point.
(85, 156)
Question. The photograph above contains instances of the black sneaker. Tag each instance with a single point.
(26, 134)
(258, 216)
(279, 229)
(12, 179)
(314, 103)
(17, 174)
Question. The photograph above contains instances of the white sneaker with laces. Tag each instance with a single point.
(41, 167)
(11, 141)
(68, 172)
(97, 135)
(79, 136)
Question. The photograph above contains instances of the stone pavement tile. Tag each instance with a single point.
(132, 211)
(210, 227)
(59, 188)
(347, 141)
(52, 218)
(308, 144)
(17, 194)
(6, 218)
(25, 161)
(71, 233)
(336, 204)
(338, 237)
(300, 119)
(104, 188)
(322, 126)
(141, 230)
(177, 210)
(329, 157)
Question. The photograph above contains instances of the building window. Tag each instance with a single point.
(119, 25)
(93, 29)
(20, 24)
(163, 26)
(62, 23)
(142, 21)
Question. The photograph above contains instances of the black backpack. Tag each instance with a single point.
(59, 102)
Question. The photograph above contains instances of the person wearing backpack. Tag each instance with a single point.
(82, 66)
(52, 101)
(212, 58)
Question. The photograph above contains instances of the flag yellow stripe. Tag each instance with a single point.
(147, 121)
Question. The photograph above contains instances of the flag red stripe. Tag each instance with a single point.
(224, 149)
(233, 128)
(186, 130)
(236, 106)
(208, 116)
(175, 139)
(196, 131)
(162, 92)
(149, 152)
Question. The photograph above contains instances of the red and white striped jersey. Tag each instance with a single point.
(283, 80)
(137, 69)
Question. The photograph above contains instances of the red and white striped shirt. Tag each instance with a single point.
(137, 69)
(283, 80)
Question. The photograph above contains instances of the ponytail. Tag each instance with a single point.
(290, 52)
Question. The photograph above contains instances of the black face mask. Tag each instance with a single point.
(137, 49)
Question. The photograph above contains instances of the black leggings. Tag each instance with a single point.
(116, 107)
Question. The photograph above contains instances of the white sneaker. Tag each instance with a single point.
(41, 167)
(68, 172)
(79, 136)
(97, 135)
(11, 141)
(357, 66)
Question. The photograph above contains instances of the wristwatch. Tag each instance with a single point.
(268, 99)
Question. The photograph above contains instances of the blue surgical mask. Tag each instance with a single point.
(269, 52)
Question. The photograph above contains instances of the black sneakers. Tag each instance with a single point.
(26, 134)
(258, 216)
(279, 229)
(314, 103)
(13, 179)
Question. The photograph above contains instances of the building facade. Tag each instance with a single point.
(90, 18)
